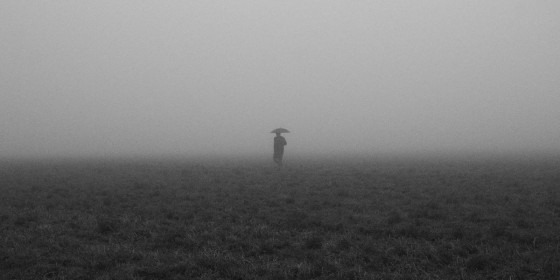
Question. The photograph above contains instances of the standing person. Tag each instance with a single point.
(279, 143)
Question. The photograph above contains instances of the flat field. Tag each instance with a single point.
(315, 219)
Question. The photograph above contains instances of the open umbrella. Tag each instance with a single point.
(280, 130)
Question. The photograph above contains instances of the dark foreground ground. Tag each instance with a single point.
(420, 219)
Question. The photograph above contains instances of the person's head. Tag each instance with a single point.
(277, 133)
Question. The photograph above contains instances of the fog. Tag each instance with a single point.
(106, 78)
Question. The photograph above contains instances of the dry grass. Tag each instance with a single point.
(345, 220)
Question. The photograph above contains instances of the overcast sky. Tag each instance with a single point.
(214, 77)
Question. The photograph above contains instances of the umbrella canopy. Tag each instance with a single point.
(280, 130)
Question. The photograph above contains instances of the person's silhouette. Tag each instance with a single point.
(279, 143)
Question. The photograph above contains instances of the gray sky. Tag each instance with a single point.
(191, 77)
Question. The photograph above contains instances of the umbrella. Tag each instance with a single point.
(280, 130)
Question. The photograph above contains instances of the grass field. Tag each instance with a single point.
(347, 219)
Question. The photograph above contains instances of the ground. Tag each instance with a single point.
(314, 219)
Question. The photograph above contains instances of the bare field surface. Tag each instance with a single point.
(446, 219)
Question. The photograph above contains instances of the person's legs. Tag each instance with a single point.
(278, 159)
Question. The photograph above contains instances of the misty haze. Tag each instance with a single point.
(252, 139)
(208, 77)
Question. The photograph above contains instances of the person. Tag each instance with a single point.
(279, 143)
